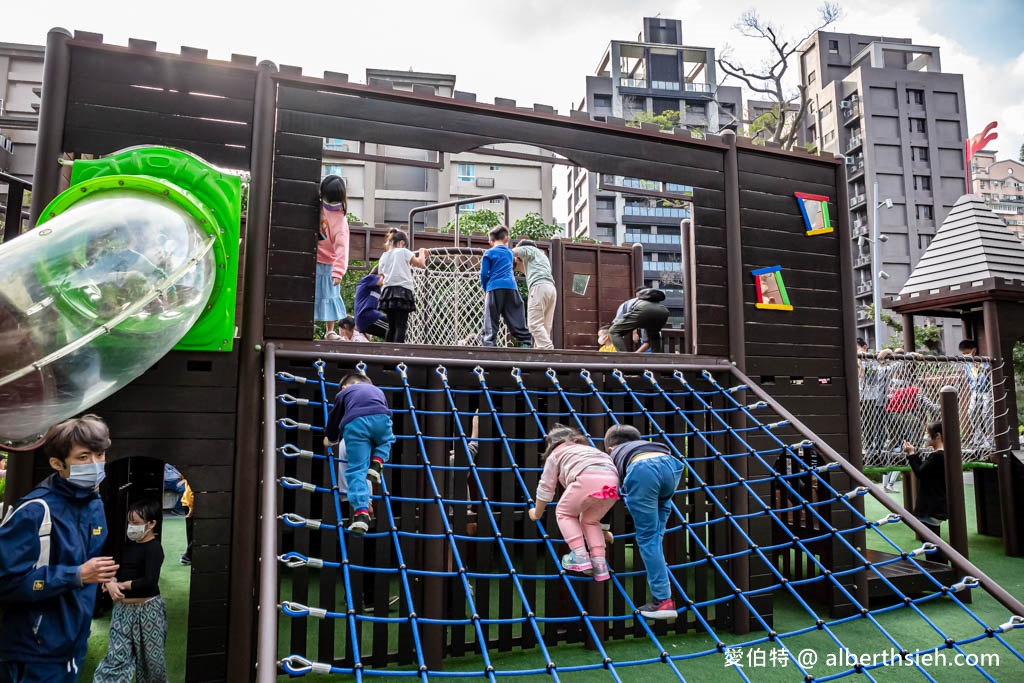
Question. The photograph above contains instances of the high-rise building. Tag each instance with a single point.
(21, 76)
(885, 104)
(384, 193)
(1001, 185)
(651, 75)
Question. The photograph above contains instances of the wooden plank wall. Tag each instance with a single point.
(797, 356)
(307, 116)
(183, 409)
(610, 272)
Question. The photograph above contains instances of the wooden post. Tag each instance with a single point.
(957, 510)
(435, 557)
(1003, 456)
(908, 332)
(557, 258)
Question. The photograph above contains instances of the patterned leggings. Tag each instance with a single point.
(137, 635)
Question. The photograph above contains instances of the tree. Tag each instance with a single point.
(926, 337)
(1020, 155)
(530, 226)
(768, 79)
(666, 120)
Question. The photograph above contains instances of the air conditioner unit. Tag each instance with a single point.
(843, 104)
(485, 182)
(851, 161)
(855, 98)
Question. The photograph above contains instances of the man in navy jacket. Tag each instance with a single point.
(50, 564)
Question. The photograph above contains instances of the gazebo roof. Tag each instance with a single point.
(973, 255)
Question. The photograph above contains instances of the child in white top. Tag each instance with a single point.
(396, 298)
(591, 489)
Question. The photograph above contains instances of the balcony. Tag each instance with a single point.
(863, 316)
(860, 229)
(864, 288)
(862, 260)
(644, 238)
(857, 199)
(851, 114)
(640, 83)
(856, 142)
(656, 211)
(856, 168)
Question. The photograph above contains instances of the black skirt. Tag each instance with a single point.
(397, 299)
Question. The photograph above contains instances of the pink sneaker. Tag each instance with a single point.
(577, 563)
(601, 571)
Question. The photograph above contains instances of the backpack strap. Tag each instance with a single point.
(44, 529)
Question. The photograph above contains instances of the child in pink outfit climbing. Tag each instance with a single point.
(591, 489)
(331, 255)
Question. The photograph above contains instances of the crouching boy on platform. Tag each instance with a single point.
(650, 477)
(360, 415)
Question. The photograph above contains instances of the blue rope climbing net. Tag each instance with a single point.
(767, 544)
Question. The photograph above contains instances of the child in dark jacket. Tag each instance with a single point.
(650, 477)
(369, 319)
(361, 417)
(502, 293)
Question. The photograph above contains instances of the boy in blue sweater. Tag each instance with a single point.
(50, 564)
(361, 417)
(502, 294)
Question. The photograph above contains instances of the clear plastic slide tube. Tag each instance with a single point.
(90, 300)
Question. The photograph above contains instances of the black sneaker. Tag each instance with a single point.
(360, 524)
(660, 609)
(185, 560)
(373, 474)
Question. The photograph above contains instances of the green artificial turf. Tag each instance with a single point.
(174, 587)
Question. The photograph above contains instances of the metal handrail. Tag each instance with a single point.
(456, 202)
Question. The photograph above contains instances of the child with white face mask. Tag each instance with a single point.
(138, 625)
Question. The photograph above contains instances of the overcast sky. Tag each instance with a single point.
(541, 50)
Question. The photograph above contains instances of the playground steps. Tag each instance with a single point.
(905, 576)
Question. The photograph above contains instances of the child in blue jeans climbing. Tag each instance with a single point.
(650, 477)
(360, 415)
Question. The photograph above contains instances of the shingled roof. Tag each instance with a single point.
(973, 244)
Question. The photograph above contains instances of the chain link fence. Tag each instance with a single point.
(450, 300)
(899, 397)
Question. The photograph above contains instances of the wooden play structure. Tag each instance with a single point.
(204, 412)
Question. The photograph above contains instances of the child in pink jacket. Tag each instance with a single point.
(331, 254)
(591, 489)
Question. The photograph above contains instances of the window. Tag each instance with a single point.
(811, 107)
(467, 172)
(812, 77)
(925, 212)
(826, 109)
(605, 203)
(497, 200)
(829, 137)
(833, 47)
(923, 241)
(918, 125)
(602, 103)
(467, 208)
(915, 97)
(495, 168)
(919, 153)
(922, 182)
(333, 169)
(336, 144)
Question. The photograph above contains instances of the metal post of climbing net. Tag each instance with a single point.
(266, 649)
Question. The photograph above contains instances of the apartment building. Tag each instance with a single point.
(384, 193)
(21, 77)
(887, 107)
(653, 74)
(1001, 185)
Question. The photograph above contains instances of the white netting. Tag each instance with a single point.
(900, 396)
(450, 300)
